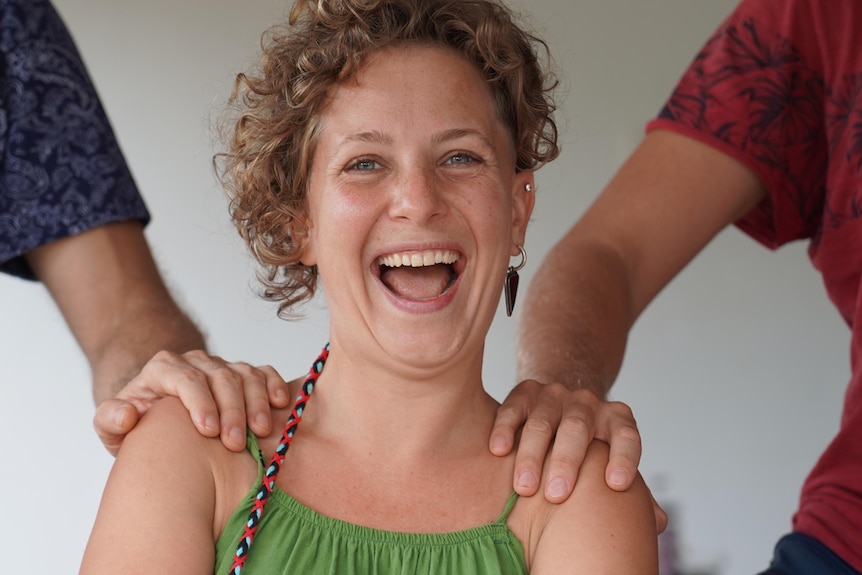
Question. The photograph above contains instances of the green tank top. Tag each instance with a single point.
(292, 538)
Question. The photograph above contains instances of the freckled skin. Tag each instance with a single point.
(412, 157)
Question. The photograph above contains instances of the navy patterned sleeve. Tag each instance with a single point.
(61, 169)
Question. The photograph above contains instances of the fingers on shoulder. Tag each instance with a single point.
(601, 509)
(114, 419)
(592, 487)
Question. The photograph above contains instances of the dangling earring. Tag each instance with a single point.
(511, 284)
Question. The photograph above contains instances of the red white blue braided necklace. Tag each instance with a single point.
(274, 466)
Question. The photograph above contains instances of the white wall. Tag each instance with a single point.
(735, 373)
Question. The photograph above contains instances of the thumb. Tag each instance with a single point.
(113, 420)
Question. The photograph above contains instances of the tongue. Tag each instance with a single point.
(421, 283)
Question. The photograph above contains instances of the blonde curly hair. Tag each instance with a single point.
(271, 135)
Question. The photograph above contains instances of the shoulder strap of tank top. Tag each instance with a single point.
(507, 510)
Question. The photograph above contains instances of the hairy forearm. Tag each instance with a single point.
(670, 198)
(576, 318)
(114, 300)
(134, 338)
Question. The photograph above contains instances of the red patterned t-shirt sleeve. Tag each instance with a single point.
(753, 93)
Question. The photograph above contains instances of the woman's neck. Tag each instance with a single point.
(402, 410)
(379, 443)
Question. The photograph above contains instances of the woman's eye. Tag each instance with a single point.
(461, 159)
(364, 165)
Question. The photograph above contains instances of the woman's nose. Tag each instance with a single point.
(417, 197)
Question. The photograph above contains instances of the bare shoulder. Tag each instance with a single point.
(165, 448)
(597, 530)
(168, 409)
(165, 444)
(166, 432)
(161, 487)
(166, 421)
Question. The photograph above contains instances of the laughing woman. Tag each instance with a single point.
(387, 149)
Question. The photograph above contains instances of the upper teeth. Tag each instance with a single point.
(418, 259)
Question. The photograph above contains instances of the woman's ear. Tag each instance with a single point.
(307, 253)
(523, 200)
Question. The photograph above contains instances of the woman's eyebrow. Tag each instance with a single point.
(377, 137)
(372, 136)
(455, 133)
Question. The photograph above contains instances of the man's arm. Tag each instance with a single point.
(111, 294)
(671, 197)
(104, 280)
(109, 290)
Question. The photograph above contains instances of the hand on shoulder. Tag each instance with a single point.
(221, 396)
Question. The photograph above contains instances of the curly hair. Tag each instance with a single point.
(272, 134)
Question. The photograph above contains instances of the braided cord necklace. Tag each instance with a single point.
(274, 466)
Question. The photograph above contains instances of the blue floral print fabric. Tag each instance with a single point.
(61, 169)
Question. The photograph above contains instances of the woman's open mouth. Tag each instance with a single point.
(419, 275)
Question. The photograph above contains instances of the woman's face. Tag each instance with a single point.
(414, 207)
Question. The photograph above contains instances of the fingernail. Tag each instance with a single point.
(618, 477)
(211, 423)
(557, 487)
(261, 420)
(236, 435)
(527, 480)
(498, 443)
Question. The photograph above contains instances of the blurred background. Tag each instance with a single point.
(735, 373)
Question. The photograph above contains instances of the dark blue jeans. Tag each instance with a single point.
(798, 554)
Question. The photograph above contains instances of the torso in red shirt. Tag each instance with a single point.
(779, 87)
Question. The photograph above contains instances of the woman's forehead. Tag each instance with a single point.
(426, 87)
